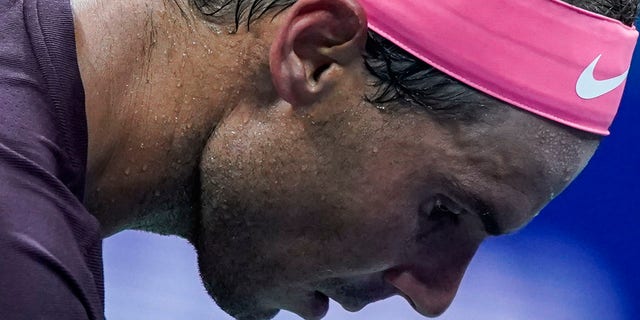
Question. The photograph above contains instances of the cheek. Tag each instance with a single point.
(370, 222)
(359, 230)
(290, 208)
(365, 199)
(311, 228)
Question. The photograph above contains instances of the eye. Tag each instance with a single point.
(437, 215)
(441, 205)
(445, 205)
(441, 209)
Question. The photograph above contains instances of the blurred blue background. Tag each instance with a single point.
(578, 260)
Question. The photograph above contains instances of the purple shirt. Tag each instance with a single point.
(50, 246)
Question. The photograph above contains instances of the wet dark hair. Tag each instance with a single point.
(402, 79)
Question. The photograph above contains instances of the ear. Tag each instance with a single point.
(317, 40)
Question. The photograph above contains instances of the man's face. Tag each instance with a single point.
(343, 201)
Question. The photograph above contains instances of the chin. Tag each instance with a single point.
(257, 315)
(242, 308)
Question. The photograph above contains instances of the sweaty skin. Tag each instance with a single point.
(259, 148)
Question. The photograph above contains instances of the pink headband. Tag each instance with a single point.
(545, 56)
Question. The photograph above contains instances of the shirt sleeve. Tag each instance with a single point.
(50, 246)
(35, 285)
(46, 239)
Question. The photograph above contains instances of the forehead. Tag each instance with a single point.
(559, 150)
(518, 162)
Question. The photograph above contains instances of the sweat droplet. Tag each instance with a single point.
(127, 171)
(144, 168)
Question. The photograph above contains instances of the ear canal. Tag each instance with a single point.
(319, 71)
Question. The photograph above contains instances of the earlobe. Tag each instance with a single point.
(317, 40)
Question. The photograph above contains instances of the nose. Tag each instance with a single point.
(430, 288)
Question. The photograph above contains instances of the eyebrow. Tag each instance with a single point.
(481, 208)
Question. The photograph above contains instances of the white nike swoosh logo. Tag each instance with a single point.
(588, 87)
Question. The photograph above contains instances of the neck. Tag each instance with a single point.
(147, 125)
